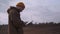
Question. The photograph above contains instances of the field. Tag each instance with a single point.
(41, 29)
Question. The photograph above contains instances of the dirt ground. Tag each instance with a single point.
(38, 30)
(35, 30)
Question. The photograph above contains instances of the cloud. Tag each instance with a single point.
(3, 18)
(4, 5)
(43, 10)
(36, 10)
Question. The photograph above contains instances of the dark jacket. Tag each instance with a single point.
(14, 17)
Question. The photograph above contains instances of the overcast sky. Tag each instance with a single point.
(36, 10)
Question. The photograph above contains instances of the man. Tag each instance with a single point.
(15, 24)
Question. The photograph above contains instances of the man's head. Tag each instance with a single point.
(20, 5)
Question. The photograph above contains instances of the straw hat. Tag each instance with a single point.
(20, 4)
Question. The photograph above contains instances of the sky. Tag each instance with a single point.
(35, 10)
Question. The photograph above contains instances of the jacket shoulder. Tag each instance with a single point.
(11, 7)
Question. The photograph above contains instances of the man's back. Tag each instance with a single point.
(14, 17)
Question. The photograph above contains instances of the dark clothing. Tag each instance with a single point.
(15, 20)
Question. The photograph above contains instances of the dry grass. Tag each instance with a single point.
(38, 30)
(35, 30)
